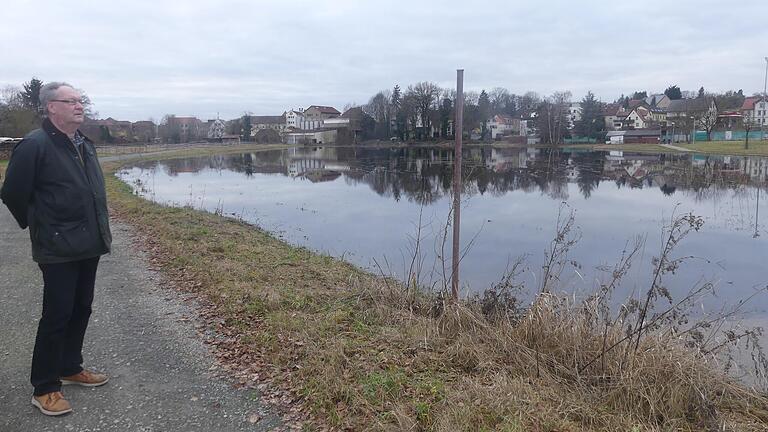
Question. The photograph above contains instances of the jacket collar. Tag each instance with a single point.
(58, 136)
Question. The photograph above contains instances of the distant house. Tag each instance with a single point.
(501, 125)
(293, 118)
(658, 101)
(643, 117)
(144, 131)
(634, 103)
(574, 114)
(636, 119)
(311, 118)
(316, 136)
(687, 108)
(187, 128)
(645, 136)
(216, 130)
(756, 107)
(614, 115)
(276, 123)
(320, 112)
(108, 130)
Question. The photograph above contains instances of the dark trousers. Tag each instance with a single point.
(67, 298)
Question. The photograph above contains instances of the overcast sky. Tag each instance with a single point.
(146, 58)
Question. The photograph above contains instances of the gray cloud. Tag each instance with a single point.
(147, 58)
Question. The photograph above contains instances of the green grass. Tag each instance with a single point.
(639, 148)
(756, 147)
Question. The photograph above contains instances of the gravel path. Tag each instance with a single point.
(676, 148)
(139, 334)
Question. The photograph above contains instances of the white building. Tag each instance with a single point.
(293, 118)
(756, 107)
(574, 114)
(501, 125)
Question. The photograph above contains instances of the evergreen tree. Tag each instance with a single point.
(591, 124)
(31, 94)
(246, 127)
(446, 111)
(395, 103)
(396, 98)
(673, 92)
(484, 111)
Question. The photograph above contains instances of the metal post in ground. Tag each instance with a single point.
(757, 212)
(457, 182)
(765, 99)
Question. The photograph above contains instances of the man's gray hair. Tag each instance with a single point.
(48, 93)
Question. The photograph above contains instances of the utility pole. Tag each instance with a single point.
(765, 99)
(457, 182)
(757, 212)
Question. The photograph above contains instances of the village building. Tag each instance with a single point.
(276, 123)
(183, 129)
(634, 136)
(756, 108)
(613, 116)
(320, 112)
(293, 118)
(144, 131)
(501, 126)
(660, 101)
(689, 108)
(574, 114)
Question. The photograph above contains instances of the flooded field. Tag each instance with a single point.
(378, 208)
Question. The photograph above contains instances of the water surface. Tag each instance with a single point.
(370, 205)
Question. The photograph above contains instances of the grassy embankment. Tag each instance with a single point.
(367, 354)
(756, 147)
(735, 148)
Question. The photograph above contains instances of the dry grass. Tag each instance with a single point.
(364, 354)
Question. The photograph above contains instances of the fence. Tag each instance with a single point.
(730, 135)
(580, 141)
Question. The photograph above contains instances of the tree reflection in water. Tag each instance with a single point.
(423, 175)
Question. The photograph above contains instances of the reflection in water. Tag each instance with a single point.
(322, 197)
(424, 175)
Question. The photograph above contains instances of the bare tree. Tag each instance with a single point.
(502, 102)
(378, 107)
(10, 96)
(528, 102)
(425, 95)
(552, 118)
(707, 121)
(410, 112)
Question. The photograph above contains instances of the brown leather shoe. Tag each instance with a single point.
(86, 378)
(52, 404)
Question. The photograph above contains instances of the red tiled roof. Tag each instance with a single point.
(612, 109)
(749, 103)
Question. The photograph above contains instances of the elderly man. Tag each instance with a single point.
(54, 185)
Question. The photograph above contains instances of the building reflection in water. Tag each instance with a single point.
(424, 174)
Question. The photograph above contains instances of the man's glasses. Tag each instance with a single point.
(71, 102)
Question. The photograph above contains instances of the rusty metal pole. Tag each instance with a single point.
(458, 131)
